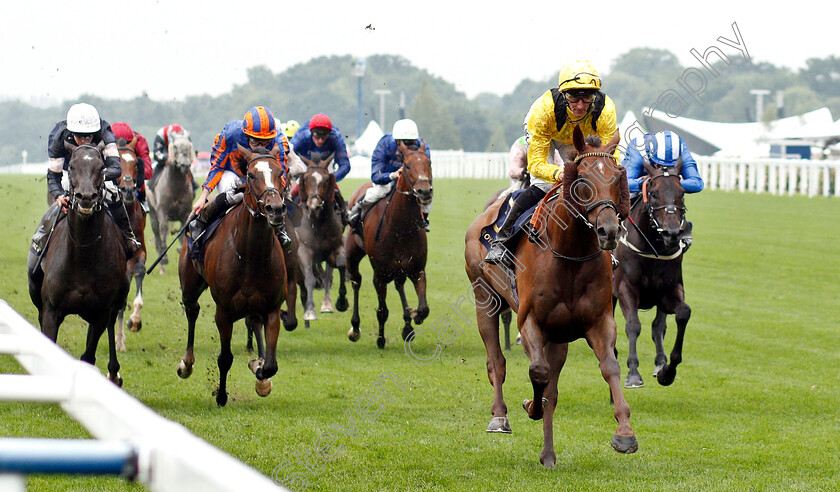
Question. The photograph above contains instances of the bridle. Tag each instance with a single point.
(603, 203)
(128, 180)
(100, 189)
(670, 208)
(419, 178)
(259, 200)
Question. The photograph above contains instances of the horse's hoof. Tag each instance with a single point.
(625, 444)
(135, 327)
(500, 425)
(116, 379)
(341, 305)
(183, 371)
(548, 461)
(309, 315)
(263, 387)
(658, 369)
(121, 347)
(129, 324)
(666, 376)
(221, 398)
(380, 342)
(326, 307)
(353, 335)
(291, 325)
(634, 381)
(255, 364)
(407, 331)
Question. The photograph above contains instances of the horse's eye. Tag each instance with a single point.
(652, 194)
(250, 175)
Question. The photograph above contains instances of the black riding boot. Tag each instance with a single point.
(210, 213)
(120, 215)
(424, 223)
(141, 196)
(498, 253)
(283, 236)
(354, 217)
(341, 206)
(686, 236)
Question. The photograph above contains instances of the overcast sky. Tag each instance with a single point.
(171, 49)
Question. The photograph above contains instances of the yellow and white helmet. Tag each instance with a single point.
(579, 75)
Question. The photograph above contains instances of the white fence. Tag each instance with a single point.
(169, 457)
(776, 176)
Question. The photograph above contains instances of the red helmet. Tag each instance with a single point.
(121, 129)
(320, 120)
(259, 123)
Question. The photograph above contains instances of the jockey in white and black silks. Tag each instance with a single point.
(83, 126)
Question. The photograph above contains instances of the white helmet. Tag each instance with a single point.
(405, 130)
(83, 118)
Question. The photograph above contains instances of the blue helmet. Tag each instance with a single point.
(663, 148)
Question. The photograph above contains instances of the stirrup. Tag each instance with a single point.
(196, 229)
(496, 255)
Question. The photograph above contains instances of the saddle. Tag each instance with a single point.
(196, 247)
(489, 232)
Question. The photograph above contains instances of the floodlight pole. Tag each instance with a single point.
(359, 72)
(382, 93)
(759, 102)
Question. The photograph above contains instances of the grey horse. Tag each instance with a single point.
(170, 195)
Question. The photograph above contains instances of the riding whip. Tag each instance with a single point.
(180, 233)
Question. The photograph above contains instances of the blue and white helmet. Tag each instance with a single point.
(663, 148)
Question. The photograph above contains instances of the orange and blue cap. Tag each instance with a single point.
(259, 123)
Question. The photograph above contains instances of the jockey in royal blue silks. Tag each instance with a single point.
(318, 135)
(256, 129)
(385, 163)
(663, 149)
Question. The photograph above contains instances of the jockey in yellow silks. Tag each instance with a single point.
(576, 101)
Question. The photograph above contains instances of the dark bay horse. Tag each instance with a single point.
(321, 240)
(83, 271)
(172, 196)
(649, 272)
(136, 264)
(245, 270)
(394, 242)
(561, 289)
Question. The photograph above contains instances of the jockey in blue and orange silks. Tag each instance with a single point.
(257, 129)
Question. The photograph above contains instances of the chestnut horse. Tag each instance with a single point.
(649, 272)
(560, 289)
(171, 197)
(244, 268)
(83, 271)
(136, 264)
(321, 241)
(394, 242)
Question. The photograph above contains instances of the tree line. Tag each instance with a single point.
(447, 118)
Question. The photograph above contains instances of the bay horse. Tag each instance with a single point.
(649, 271)
(321, 240)
(83, 271)
(394, 242)
(136, 264)
(245, 270)
(170, 195)
(560, 289)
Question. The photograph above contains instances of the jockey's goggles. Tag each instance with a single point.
(83, 136)
(320, 133)
(259, 142)
(576, 98)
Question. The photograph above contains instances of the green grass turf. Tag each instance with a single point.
(754, 405)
